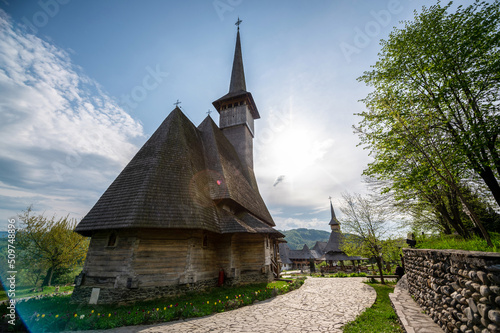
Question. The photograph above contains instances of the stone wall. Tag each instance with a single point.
(460, 290)
(81, 294)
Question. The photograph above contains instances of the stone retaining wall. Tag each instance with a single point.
(460, 290)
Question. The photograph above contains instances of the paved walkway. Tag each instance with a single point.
(410, 313)
(320, 305)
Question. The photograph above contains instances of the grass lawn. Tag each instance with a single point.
(474, 243)
(380, 318)
(56, 313)
(25, 292)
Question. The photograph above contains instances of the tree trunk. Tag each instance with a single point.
(48, 278)
(380, 269)
(492, 183)
(455, 210)
(475, 219)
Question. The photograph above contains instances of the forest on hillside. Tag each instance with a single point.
(296, 238)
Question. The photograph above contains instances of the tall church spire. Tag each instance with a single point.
(237, 109)
(238, 74)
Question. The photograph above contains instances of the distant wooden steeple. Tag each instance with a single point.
(334, 223)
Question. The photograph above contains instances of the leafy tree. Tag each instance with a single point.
(430, 203)
(428, 164)
(444, 69)
(51, 243)
(368, 220)
(433, 116)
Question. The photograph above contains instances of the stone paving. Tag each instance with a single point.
(410, 313)
(320, 305)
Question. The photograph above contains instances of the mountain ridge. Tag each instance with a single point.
(296, 238)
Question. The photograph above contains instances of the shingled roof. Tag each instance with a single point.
(319, 247)
(179, 179)
(284, 253)
(236, 183)
(334, 242)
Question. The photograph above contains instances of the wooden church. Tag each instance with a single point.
(184, 212)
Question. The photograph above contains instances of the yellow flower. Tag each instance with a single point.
(92, 311)
(164, 308)
(148, 312)
(109, 314)
(98, 314)
(57, 316)
(227, 297)
(38, 315)
(75, 315)
(208, 302)
(43, 315)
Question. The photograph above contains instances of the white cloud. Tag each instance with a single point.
(293, 223)
(63, 138)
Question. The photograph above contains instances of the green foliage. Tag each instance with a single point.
(432, 119)
(357, 274)
(58, 314)
(22, 292)
(380, 317)
(49, 244)
(474, 243)
(296, 238)
(367, 218)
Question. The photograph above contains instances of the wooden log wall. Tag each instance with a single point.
(153, 258)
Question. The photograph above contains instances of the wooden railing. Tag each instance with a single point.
(275, 268)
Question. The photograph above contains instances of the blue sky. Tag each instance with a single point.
(83, 84)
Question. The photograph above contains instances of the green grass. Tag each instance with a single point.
(22, 292)
(338, 275)
(56, 313)
(456, 242)
(380, 317)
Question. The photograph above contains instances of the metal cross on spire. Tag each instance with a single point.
(177, 103)
(330, 198)
(238, 23)
(209, 112)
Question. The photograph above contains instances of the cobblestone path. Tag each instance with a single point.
(320, 305)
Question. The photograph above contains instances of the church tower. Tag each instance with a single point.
(237, 110)
(334, 223)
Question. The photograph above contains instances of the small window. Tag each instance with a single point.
(230, 106)
(112, 239)
(267, 243)
(205, 240)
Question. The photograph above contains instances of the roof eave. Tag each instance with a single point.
(237, 95)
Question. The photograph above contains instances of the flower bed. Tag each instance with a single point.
(56, 313)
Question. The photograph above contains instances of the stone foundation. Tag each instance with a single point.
(81, 294)
(108, 295)
(459, 290)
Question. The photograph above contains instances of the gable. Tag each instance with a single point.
(159, 188)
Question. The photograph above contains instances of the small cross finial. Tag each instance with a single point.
(209, 112)
(177, 103)
(330, 198)
(238, 23)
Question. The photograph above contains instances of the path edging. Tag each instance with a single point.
(410, 314)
